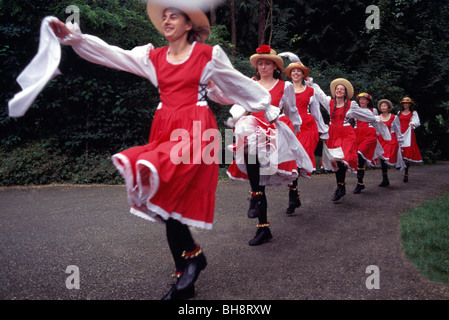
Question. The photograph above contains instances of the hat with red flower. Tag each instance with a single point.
(265, 52)
(364, 95)
(407, 100)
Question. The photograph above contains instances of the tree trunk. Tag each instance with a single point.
(262, 21)
(213, 16)
(233, 27)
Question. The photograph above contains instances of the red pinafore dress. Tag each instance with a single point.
(366, 140)
(176, 174)
(411, 153)
(342, 134)
(309, 135)
(390, 147)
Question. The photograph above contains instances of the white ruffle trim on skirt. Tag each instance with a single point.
(140, 193)
(272, 146)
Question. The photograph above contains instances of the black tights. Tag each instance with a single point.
(341, 173)
(179, 240)
(384, 166)
(253, 171)
(360, 168)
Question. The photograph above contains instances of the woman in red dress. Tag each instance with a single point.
(366, 141)
(312, 127)
(340, 150)
(391, 147)
(173, 178)
(409, 120)
(268, 153)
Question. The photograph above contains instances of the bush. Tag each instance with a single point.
(38, 163)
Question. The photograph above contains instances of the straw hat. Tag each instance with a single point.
(345, 83)
(407, 100)
(155, 10)
(297, 65)
(265, 52)
(388, 102)
(364, 95)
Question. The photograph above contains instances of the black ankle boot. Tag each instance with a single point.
(340, 192)
(360, 186)
(175, 294)
(196, 262)
(257, 203)
(263, 234)
(385, 182)
(293, 200)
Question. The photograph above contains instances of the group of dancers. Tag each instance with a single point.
(277, 126)
(358, 135)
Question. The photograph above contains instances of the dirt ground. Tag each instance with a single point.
(322, 252)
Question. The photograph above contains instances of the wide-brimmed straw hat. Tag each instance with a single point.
(265, 52)
(407, 100)
(155, 10)
(345, 83)
(297, 65)
(388, 102)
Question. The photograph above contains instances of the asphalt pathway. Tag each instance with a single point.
(51, 234)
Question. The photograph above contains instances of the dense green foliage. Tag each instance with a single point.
(90, 112)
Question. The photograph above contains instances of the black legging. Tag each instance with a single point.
(179, 240)
(384, 166)
(253, 172)
(360, 168)
(341, 172)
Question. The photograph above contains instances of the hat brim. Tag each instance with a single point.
(297, 65)
(198, 18)
(277, 60)
(345, 83)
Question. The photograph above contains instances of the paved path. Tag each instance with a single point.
(321, 252)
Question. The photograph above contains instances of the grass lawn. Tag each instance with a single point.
(425, 237)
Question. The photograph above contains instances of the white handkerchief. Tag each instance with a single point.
(38, 72)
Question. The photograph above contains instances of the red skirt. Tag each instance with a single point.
(366, 143)
(309, 136)
(391, 148)
(344, 137)
(284, 172)
(176, 174)
(412, 153)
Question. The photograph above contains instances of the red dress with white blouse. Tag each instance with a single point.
(309, 135)
(342, 134)
(366, 140)
(412, 152)
(390, 147)
(170, 176)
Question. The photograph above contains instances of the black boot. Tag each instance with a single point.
(359, 187)
(175, 294)
(257, 203)
(293, 200)
(196, 262)
(263, 234)
(385, 182)
(340, 192)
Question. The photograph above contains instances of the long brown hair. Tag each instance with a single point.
(345, 105)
